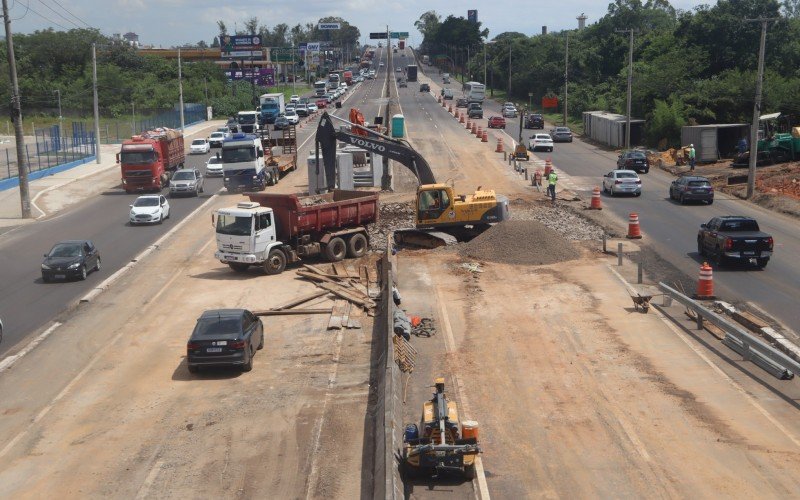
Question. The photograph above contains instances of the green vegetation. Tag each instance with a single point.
(690, 67)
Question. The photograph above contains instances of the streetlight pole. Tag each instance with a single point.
(96, 104)
(566, 80)
(509, 70)
(57, 92)
(133, 118)
(630, 31)
(180, 88)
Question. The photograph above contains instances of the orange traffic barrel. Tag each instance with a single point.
(470, 429)
(469, 124)
(705, 283)
(450, 108)
(633, 227)
(596, 204)
(547, 168)
(474, 128)
(480, 132)
(485, 136)
(499, 146)
(461, 118)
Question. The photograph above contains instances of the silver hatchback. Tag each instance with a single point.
(622, 182)
(187, 181)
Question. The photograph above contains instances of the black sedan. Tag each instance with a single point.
(424, 87)
(691, 188)
(70, 259)
(225, 337)
(633, 160)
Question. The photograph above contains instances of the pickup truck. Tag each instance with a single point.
(475, 110)
(731, 237)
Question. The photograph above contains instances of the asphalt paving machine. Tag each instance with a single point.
(441, 444)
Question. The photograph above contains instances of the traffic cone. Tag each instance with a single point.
(450, 108)
(474, 130)
(461, 118)
(485, 136)
(547, 168)
(499, 146)
(705, 283)
(633, 227)
(469, 124)
(596, 204)
(480, 133)
(439, 99)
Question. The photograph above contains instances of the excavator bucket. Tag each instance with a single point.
(417, 239)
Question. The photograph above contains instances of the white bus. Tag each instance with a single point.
(333, 80)
(320, 88)
(474, 91)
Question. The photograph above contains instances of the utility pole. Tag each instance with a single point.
(751, 171)
(630, 31)
(96, 104)
(566, 80)
(57, 92)
(509, 70)
(180, 88)
(133, 118)
(16, 117)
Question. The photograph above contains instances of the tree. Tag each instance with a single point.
(223, 30)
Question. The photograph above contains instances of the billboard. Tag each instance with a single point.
(264, 77)
(329, 26)
(312, 46)
(472, 16)
(236, 45)
(281, 55)
(378, 36)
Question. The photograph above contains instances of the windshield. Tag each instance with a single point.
(626, 175)
(137, 157)
(637, 155)
(218, 326)
(699, 183)
(232, 225)
(149, 201)
(246, 119)
(214, 159)
(198, 142)
(269, 105)
(183, 176)
(739, 225)
(562, 130)
(216, 135)
(238, 155)
(66, 250)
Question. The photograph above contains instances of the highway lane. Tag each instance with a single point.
(27, 305)
(671, 228)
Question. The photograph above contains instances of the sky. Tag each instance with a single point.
(167, 23)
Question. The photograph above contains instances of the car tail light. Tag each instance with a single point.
(770, 242)
(617, 182)
(728, 244)
(236, 344)
(192, 346)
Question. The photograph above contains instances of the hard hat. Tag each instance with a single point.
(691, 145)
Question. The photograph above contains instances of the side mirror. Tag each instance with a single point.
(44, 255)
(703, 225)
(130, 206)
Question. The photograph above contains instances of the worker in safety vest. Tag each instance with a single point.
(552, 178)
(692, 156)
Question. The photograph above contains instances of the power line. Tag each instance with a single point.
(59, 14)
(47, 18)
(27, 8)
(73, 15)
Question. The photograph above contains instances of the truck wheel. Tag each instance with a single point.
(239, 267)
(275, 263)
(469, 472)
(335, 250)
(357, 246)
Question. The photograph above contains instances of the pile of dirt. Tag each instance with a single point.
(522, 242)
(392, 216)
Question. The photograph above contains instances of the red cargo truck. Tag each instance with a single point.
(348, 78)
(401, 44)
(147, 159)
(275, 229)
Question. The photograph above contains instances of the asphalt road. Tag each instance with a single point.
(671, 228)
(27, 305)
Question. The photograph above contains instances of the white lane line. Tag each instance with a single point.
(449, 342)
(100, 355)
(9, 361)
(149, 480)
(750, 399)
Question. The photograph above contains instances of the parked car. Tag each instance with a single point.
(186, 181)
(461, 102)
(540, 142)
(214, 166)
(622, 181)
(424, 87)
(294, 99)
(509, 111)
(301, 110)
(70, 259)
(634, 160)
(292, 116)
(149, 209)
(691, 188)
(733, 237)
(322, 103)
(475, 110)
(281, 123)
(225, 337)
(312, 107)
(497, 122)
(561, 134)
(534, 121)
(216, 138)
(200, 146)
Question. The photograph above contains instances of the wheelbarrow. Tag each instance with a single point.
(642, 301)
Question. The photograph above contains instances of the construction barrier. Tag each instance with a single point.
(485, 136)
(634, 232)
(439, 99)
(450, 108)
(461, 118)
(596, 203)
(500, 146)
(705, 283)
(474, 130)
(547, 168)
(480, 133)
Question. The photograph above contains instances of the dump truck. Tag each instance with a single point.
(442, 443)
(280, 154)
(273, 230)
(146, 160)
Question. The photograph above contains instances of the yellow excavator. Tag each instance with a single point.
(442, 216)
(442, 443)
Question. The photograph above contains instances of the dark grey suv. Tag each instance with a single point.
(225, 337)
(691, 188)
(475, 110)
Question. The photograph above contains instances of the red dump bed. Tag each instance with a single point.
(317, 214)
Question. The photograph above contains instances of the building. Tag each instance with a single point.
(132, 38)
(714, 141)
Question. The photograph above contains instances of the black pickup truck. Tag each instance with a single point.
(734, 238)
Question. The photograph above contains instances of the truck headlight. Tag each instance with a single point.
(255, 177)
(74, 266)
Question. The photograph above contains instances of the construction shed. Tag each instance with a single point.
(609, 128)
(714, 141)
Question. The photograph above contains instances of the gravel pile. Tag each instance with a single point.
(393, 216)
(560, 219)
(522, 242)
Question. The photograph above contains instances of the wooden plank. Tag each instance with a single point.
(340, 270)
(335, 321)
(362, 274)
(346, 314)
(300, 300)
(320, 272)
(347, 295)
(291, 312)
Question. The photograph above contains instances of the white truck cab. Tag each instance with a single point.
(245, 235)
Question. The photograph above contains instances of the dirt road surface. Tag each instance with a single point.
(105, 407)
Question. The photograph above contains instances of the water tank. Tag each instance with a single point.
(398, 126)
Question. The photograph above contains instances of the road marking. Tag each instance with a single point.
(449, 343)
(149, 480)
(9, 361)
(717, 369)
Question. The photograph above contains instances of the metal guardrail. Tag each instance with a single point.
(751, 348)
